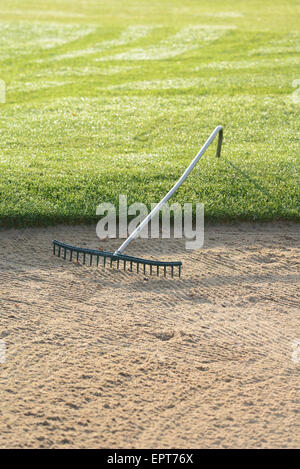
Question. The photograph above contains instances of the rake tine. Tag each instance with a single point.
(165, 271)
(77, 256)
(110, 262)
(144, 268)
(179, 270)
(137, 267)
(91, 259)
(59, 249)
(130, 266)
(84, 258)
(124, 265)
(157, 270)
(172, 271)
(104, 261)
(54, 249)
(118, 263)
(65, 253)
(150, 269)
(71, 254)
(97, 261)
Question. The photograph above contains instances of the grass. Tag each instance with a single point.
(104, 98)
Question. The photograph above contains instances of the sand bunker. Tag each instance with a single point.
(104, 358)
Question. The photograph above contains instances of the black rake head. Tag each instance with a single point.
(104, 258)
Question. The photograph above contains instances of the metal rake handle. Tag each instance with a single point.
(218, 131)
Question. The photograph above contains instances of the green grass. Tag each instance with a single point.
(117, 97)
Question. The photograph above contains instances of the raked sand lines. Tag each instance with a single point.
(122, 354)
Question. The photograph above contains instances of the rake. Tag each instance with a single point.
(119, 259)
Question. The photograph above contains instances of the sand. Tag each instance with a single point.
(100, 358)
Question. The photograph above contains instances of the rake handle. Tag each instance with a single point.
(218, 131)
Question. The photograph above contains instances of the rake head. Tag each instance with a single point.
(87, 256)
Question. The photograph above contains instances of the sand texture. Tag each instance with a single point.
(101, 358)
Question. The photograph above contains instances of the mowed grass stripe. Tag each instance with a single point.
(96, 109)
